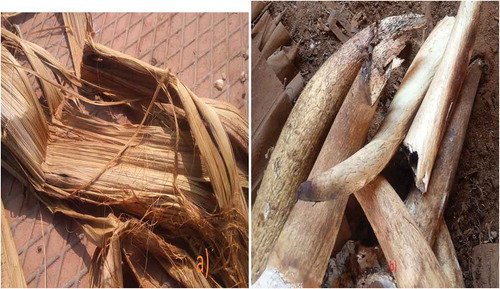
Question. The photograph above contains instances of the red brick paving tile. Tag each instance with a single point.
(122, 23)
(160, 55)
(57, 239)
(23, 232)
(235, 44)
(220, 54)
(52, 272)
(66, 59)
(203, 67)
(174, 42)
(39, 280)
(21, 216)
(174, 62)
(244, 39)
(190, 31)
(25, 220)
(64, 55)
(13, 196)
(108, 33)
(238, 94)
(219, 32)
(162, 32)
(98, 19)
(111, 17)
(119, 41)
(190, 17)
(218, 17)
(145, 46)
(176, 21)
(235, 69)
(218, 74)
(234, 20)
(204, 21)
(188, 56)
(137, 17)
(73, 256)
(36, 261)
(43, 220)
(57, 44)
(149, 21)
(162, 16)
(84, 283)
(188, 74)
(47, 42)
(133, 33)
(130, 49)
(204, 88)
(204, 43)
(36, 23)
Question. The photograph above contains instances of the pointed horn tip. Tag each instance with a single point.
(305, 192)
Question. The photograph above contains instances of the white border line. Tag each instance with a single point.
(126, 6)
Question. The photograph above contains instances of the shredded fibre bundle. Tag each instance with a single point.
(179, 182)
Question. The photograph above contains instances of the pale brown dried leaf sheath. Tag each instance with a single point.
(172, 187)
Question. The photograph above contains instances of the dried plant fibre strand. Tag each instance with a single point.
(170, 188)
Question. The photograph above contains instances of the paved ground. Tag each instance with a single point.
(198, 47)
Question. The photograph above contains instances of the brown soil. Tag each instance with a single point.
(472, 211)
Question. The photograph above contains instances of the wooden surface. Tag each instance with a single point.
(262, 95)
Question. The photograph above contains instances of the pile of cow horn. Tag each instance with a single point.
(298, 215)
